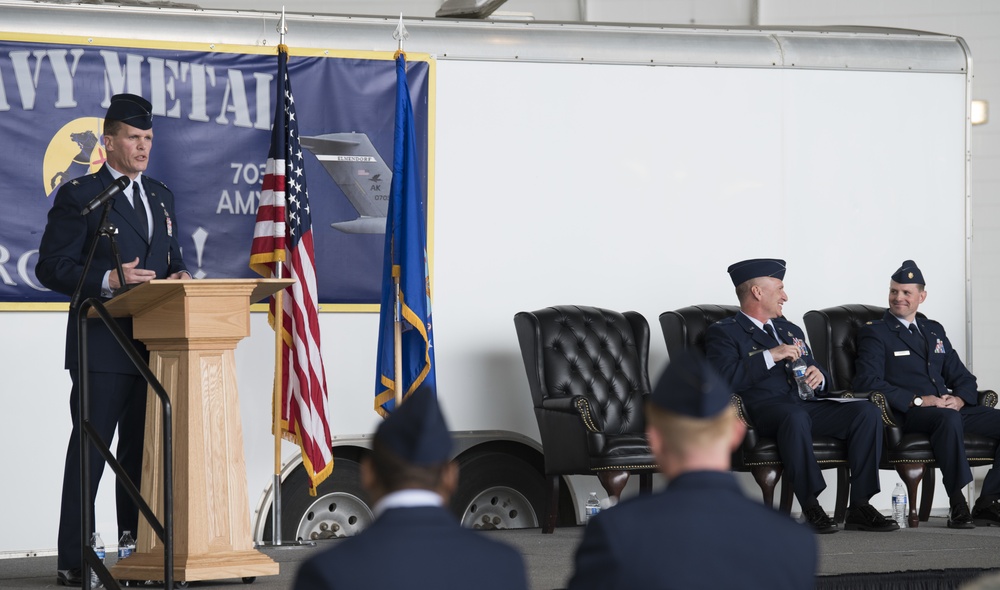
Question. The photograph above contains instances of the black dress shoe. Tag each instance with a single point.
(866, 518)
(959, 517)
(986, 513)
(819, 520)
(70, 577)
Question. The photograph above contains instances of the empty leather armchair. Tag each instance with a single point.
(587, 370)
(685, 328)
(833, 336)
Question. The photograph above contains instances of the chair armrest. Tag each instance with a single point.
(988, 398)
(888, 416)
(577, 405)
(741, 411)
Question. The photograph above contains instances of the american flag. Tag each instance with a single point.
(283, 232)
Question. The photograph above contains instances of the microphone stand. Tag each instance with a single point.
(107, 229)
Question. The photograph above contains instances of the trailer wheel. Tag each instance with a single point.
(339, 508)
(498, 491)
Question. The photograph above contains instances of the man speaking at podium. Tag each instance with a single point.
(147, 238)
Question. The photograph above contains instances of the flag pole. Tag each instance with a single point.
(276, 392)
(400, 35)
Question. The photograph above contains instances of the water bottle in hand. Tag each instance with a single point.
(799, 370)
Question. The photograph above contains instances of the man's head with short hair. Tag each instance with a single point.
(128, 134)
(411, 449)
(906, 291)
(691, 424)
(759, 286)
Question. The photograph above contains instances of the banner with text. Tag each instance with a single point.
(211, 122)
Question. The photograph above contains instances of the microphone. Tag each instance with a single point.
(116, 187)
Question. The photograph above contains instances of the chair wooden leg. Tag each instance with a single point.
(911, 473)
(613, 482)
(927, 493)
(843, 490)
(551, 504)
(645, 483)
(767, 477)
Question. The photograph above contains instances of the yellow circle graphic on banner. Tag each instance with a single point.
(75, 150)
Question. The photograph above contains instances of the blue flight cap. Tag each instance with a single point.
(742, 272)
(690, 386)
(908, 273)
(132, 110)
(416, 431)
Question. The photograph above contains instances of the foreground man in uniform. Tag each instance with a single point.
(701, 532)
(415, 542)
(753, 351)
(912, 362)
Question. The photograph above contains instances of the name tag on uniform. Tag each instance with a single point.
(901, 353)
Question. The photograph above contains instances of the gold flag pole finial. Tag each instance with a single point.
(400, 35)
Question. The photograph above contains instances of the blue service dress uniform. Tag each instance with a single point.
(414, 547)
(118, 392)
(700, 532)
(903, 365)
(735, 347)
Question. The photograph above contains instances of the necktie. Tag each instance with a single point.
(914, 330)
(140, 210)
(770, 332)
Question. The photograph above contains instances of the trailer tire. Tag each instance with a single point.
(340, 507)
(498, 491)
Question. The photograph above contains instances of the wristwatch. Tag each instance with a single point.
(918, 401)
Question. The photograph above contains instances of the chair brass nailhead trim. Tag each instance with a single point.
(990, 399)
(584, 408)
(879, 400)
(620, 467)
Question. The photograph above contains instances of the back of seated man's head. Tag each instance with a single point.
(412, 447)
(690, 410)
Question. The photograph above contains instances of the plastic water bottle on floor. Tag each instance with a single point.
(899, 508)
(97, 544)
(126, 545)
(593, 506)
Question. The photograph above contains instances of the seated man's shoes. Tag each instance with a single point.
(959, 516)
(70, 577)
(866, 518)
(819, 520)
(986, 513)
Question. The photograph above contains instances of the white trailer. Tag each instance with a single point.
(622, 166)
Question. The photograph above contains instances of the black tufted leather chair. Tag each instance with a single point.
(588, 374)
(833, 336)
(685, 328)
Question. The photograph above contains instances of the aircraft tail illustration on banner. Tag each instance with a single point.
(358, 169)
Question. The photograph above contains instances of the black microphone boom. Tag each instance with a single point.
(120, 184)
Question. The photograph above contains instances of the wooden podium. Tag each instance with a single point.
(191, 328)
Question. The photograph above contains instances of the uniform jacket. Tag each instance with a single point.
(67, 241)
(735, 345)
(700, 532)
(418, 547)
(893, 361)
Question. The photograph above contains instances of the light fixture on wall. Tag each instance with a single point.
(980, 112)
(468, 8)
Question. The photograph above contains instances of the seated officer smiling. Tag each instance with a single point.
(912, 362)
(753, 350)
